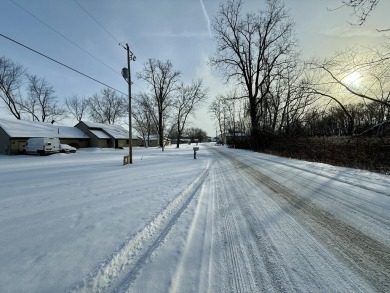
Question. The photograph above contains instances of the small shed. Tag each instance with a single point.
(107, 135)
(14, 134)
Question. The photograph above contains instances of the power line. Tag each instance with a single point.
(60, 63)
(62, 35)
(97, 22)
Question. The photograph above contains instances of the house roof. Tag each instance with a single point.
(100, 134)
(23, 128)
(113, 130)
(151, 137)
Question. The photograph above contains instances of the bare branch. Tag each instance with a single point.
(11, 80)
(163, 82)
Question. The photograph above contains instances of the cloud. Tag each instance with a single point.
(206, 16)
(350, 32)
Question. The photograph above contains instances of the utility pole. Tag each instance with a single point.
(126, 73)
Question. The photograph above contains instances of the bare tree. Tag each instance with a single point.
(250, 48)
(144, 117)
(196, 134)
(287, 100)
(40, 103)
(107, 106)
(370, 82)
(218, 112)
(77, 106)
(188, 97)
(231, 116)
(361, 8)
(163, 82)
(11, 81)
(371, 68)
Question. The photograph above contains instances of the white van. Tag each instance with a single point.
(42, 145)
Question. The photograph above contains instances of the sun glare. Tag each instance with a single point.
(352, 79)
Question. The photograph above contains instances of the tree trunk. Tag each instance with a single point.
(160, 131)
(178, 140)
(255, 131)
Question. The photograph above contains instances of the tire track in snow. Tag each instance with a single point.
(225, 264)
(255, 249)
(237, 255)
(118, 273)
(365, 255)
(192, 273)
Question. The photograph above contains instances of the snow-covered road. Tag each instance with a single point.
(230, 221)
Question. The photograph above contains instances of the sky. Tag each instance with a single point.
(89, 35)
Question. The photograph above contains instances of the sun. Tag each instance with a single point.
(353, 79)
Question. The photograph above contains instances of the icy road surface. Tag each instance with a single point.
(230, 221)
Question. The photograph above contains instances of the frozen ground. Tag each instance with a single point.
(229, 221)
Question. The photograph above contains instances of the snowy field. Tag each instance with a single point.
(229, 221)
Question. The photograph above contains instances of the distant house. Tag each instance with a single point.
(185, 140)
(153, 141)
(107, 135)
(14, 134)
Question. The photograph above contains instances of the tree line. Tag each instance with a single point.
(163, 110)
(277, 93)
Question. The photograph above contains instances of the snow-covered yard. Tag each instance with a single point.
(230, 220)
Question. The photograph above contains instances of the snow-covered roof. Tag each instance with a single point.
(115, 131)
(23, 128)
(153, 137)
(100, 134)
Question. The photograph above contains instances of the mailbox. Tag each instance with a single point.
(195, 150)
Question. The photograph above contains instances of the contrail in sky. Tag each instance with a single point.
(206, 16)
